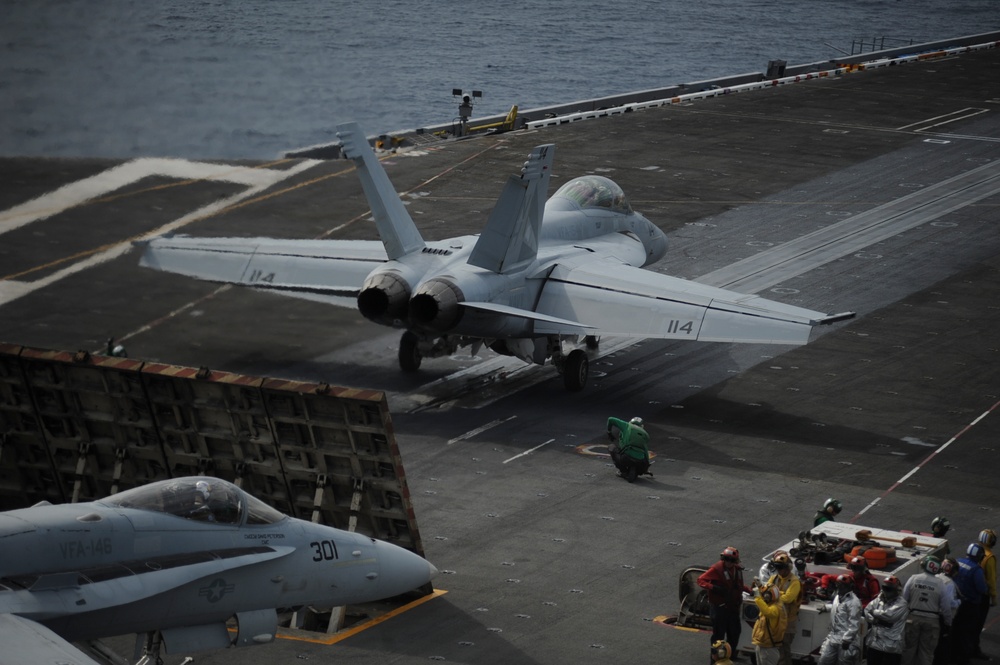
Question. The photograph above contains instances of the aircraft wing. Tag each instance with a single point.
(619, 300)
(328, 271)
(25, 641)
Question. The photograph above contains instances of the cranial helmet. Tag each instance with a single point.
(858, 564)
(931, 564)
(975, 551)
(730, 554)
(940, 526)
(891, 586)
(988, 537)
(845, 581)
(781, 559)
(835, 504)
(949, 566)
(770, 594)
(721, 650)
(636, 421)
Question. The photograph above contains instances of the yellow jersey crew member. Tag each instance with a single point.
(769, 629)
(788, 585)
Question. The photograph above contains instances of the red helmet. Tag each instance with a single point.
(730, 554)
(891, 586)
(858, 564)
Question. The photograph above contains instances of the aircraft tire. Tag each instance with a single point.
(575, 371)
(409, 354)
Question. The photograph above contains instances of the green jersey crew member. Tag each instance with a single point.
(631, 452)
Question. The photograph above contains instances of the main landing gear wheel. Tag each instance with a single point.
(409, 354)
(575, 370)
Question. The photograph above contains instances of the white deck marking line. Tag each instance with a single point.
(976, 111)
(529, 451)
(11, 290)
(105, 182)
(480, 430)
(793, 258)
(927, 459)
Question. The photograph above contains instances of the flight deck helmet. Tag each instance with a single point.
(781, 560)
(931, 565)
(940, 526)
(988, 537)
(975, 552)
(858, 565)
(730, 554)
(721, 650)
(636, 421)
(891, 587)
(832, 505)
(770, 594)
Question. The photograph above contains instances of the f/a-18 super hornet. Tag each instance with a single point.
(179, 558)
(542, 280)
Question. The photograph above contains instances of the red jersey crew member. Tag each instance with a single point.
(866, 585)
(725, 586)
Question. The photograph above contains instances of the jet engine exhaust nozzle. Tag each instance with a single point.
(435, 305)
(383, 298)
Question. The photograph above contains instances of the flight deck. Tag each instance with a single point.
(875, 191)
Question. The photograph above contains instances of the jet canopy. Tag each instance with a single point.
(197, 498)
(592, 191)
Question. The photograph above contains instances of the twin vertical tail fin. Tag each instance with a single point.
(510, 240)
(395, 226)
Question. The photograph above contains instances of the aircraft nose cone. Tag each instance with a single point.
(401, 570)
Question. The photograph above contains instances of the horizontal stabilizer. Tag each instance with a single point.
(395, 226)
(509, 242)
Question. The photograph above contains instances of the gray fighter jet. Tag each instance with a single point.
(540, 279)
(179, 557)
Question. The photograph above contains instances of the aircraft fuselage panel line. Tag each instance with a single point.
(796, 257)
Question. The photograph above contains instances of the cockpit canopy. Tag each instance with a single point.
(197, 498)
(592, 192)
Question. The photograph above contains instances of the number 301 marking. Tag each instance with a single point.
(324, 550)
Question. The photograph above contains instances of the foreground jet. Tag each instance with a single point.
(180, 557)
(541, 275)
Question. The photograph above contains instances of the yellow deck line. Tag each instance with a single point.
(343, 635)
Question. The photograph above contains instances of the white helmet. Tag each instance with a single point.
(636, 421)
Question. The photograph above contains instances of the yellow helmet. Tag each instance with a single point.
(988, 537)
(721, 650)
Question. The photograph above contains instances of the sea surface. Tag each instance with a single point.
(253, 78)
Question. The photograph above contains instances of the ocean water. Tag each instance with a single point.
(252, 78)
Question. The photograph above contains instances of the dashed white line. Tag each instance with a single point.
(480, 430)
(529, 451)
